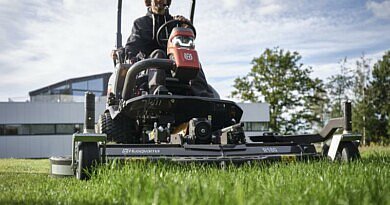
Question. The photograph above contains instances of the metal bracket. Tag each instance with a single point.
(88, 137)
(335, 143)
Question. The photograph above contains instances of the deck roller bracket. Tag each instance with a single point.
(89, 118)
(89, 134)
(337, 139)
(88, 137)
(347, 133)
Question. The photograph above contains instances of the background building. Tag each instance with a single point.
(44, 127)
(72, 90)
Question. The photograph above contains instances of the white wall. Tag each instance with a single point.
(254, 112)
(44, 113)
(35, 146)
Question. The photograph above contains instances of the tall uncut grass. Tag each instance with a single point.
(314, 182)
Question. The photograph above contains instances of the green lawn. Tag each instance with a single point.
(321, 182)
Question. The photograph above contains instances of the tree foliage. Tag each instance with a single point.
(379, 91)
(278, 78)
(338, 86)
(363, 117)
(370, 93)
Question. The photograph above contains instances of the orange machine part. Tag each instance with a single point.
(187, 60)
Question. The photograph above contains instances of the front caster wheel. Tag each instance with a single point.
(88, 157)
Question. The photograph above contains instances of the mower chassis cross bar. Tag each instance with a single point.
(325, 134)
(331, 127)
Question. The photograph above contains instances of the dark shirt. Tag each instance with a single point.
(143, 36)
(143, 39)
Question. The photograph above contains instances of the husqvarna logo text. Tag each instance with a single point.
(188, 56)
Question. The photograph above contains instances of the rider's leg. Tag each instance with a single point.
(200, 87)
(156, 77)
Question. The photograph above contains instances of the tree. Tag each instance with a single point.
(338, 87)
(364, 119)
(361, 77)
(380, 94)
(316, 104)
(362, 112)
(279, 79)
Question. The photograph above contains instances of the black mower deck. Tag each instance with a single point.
(212, 153)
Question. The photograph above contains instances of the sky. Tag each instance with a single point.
(46, 41)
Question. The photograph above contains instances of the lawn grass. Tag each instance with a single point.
(317, 182)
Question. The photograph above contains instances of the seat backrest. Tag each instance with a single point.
(120, 78)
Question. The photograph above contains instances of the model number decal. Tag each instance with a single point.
(270, 149)
(140, 151)
(155, 102)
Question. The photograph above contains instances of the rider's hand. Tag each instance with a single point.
(114, 56)
(133, 60)
(182, 19)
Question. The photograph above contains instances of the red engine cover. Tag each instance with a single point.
(186, 58)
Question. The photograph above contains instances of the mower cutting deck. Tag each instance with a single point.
(91, 148)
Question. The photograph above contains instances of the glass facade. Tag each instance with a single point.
(80, 86)
(255, 126)
(65, 128)
(94, 85)
(40, 129)
(74, 87)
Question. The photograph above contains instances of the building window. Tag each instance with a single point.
(80, 85)
(42, 129)
(16, 129)
(1, 129)
(255, 126)
(95, 84)
(65, 128)
(90, 85)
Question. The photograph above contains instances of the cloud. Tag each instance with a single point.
(231, 4)
(325, 70)
(270, 7)
(380, 10)
(45, 41)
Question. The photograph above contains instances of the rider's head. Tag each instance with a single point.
(158, 6)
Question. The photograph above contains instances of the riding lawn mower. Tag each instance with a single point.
(176, 125)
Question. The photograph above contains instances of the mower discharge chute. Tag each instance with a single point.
(176, 125)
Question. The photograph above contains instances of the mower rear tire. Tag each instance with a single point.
(348, 151)
(88, 156)
(117, 130)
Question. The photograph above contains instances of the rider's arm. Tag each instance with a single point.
(133, 45)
